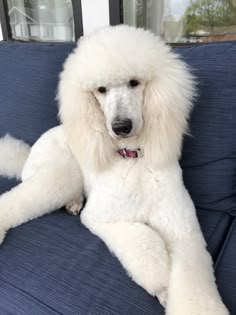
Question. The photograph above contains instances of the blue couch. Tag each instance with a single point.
(54, 265)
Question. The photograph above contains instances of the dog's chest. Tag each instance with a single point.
(127, 191)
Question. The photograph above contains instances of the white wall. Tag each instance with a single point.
(95, 14)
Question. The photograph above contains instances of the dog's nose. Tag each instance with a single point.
(122, 127)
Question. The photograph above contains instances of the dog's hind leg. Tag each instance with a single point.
(51, 179)
(46, 191)
(140, 250)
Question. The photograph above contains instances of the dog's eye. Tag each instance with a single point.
(102, 89)
(134, 83)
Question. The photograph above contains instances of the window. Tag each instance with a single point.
(55, 20)
(41, 20)
(177, 21)
(184, 21)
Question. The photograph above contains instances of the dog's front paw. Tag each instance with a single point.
(74, 207)
(194, 307)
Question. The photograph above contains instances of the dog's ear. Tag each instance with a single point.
(84, 125)
(167, 103)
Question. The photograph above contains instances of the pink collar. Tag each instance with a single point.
(126, 153)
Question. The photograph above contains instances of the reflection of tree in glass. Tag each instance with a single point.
(209, 14)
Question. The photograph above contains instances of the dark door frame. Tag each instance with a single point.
(116, 12)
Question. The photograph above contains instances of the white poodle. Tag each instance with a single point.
(125, 98)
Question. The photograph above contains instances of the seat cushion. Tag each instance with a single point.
(54, 265)
(226, 269)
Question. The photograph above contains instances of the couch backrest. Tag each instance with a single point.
(209, 154)
(28, 83)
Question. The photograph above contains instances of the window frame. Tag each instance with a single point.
(116, 12)
(78, 18)
(5, 21)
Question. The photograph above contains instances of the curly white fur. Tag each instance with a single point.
(139, 207)
(10, 166)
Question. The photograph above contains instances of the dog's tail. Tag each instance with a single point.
(13, 155)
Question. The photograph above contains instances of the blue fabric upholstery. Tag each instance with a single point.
(209, 154)
(7, 183)
(56, 266)
(28, 85)
(215, 227)
(226, 269)
(53, 265)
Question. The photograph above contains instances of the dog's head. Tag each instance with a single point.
(122, 86)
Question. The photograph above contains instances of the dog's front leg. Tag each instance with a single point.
(140, 250)
(192, 287)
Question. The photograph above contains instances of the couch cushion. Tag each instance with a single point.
(226, 269)
(28, 84)
(7, 183)
(209, 154)
(215, 226)
(54, 265)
